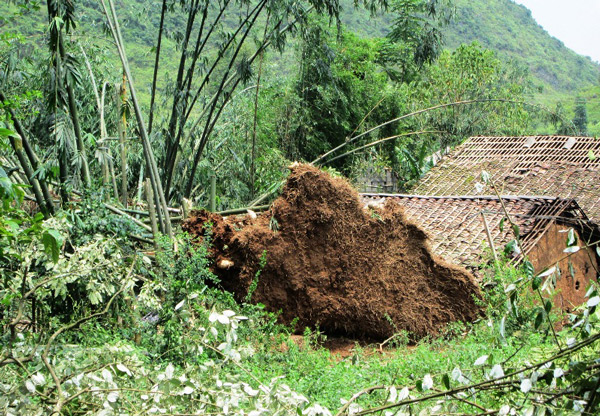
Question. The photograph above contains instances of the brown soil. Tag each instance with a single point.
(335, 265)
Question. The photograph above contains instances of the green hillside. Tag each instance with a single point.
(509, 29)
(559, 74)
(139, 20)
(591, 97)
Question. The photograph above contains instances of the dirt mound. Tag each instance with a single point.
(333, 264)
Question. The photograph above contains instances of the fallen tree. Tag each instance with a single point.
(319, 256)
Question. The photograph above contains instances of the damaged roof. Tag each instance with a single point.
(556, 166)
(457, 228)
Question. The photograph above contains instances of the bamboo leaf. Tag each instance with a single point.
(539, 319)
(571, 240)
(571, 269)
(516, 230)
(528, 266)
(52, 241)
(536, 282)
(446, 381)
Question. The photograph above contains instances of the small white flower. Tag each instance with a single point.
(316, 410)
(456, 374)
(579, 405)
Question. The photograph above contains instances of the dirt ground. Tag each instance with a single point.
(335, 265)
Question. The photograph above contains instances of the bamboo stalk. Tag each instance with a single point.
(159, 194)
(133, 219)
(489, 237)
(72, 104)
(142, 239)
(157, 190)
(111, 170)
(156, 63)
(150, 199)
(414, 113)
(213, 193)
(17, 145)
(244, 210)
(122, 129)
(146, 213)
(376, 142)
(186, 206)
(46, 203)
(140, 183)
(255, 123)
(210, 122)
(267, 194)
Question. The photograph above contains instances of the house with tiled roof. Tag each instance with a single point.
(550, 188)
(556, 166)
(470, 230)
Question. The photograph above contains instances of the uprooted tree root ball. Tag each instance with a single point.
(336, 265)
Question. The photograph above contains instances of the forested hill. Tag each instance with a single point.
(510, 29)
(501, 25)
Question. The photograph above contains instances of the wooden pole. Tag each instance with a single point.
(150, 200)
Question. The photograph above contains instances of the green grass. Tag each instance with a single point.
(326, 379)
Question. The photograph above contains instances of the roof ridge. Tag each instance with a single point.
(487, 197)
(535, 135)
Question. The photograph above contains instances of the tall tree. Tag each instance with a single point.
(61, 20)
(214, 60)
(346, 82)
(470, 72)
(580, 120)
